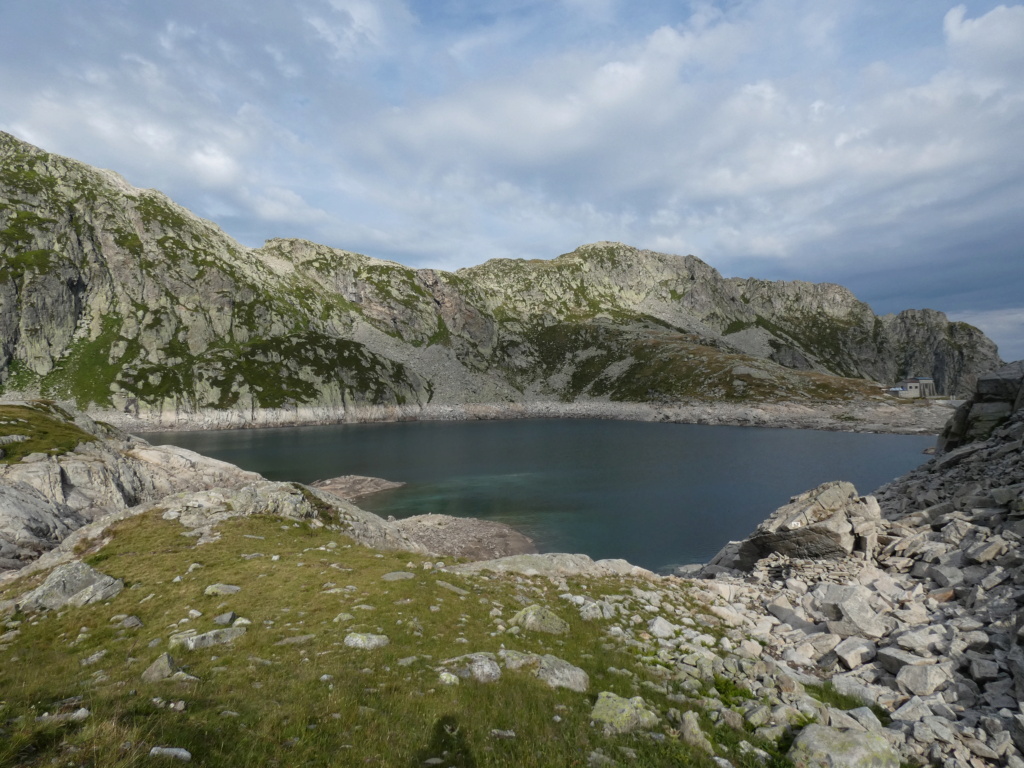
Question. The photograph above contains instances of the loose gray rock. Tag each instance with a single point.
(537, 618)
(619, 715)
(366, 642)
(192, 642)
(397, 576)
(222, 590)
(74, 584)
(690, 732)
(161, 669)
(176, 753)
(475, 666)
(818, 746)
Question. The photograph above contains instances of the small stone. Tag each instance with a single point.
(366, 642)
(222, 590)
(447, 678)
(397, 576)
(176, 753)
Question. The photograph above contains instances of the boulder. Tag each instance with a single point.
(74, 584)
(162, 668)
(476, 666)
(537, 618)
(619, 715)
(818, 746)
(830, 521)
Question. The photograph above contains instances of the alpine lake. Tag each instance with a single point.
(655, 494)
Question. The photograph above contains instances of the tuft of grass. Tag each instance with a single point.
(48, 429)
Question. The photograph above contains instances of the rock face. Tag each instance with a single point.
(999, 395)
(118, 298)
(46, 497)
(830, 521)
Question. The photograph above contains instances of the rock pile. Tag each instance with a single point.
(926, 619)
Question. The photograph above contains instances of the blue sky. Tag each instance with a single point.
(873, 144)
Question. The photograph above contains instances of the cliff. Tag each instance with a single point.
(115, 297)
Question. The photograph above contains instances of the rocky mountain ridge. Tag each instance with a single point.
(116, 298)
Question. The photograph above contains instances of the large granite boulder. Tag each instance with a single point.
(830, 521)
(818, 746)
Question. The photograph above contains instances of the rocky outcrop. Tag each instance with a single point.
(998, 395)
(45, 497)
(466, 537)
(831, 521)
(115, 297)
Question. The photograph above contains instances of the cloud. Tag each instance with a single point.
(873, 144)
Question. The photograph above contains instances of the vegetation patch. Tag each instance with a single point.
(290, 691)
(48, 429)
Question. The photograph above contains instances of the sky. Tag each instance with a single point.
(870, 143)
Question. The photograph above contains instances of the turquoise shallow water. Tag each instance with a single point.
(654, 494)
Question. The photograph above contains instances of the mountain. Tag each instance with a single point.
(116, 297)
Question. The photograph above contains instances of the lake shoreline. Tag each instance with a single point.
(886, 417)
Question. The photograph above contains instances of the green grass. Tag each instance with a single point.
(48, 428)
(827, 694)
(374, 709)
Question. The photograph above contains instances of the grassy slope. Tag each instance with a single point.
(373, 710)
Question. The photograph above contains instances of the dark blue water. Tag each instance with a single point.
(654, 494)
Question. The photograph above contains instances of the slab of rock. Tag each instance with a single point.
(619, 715)
(221, 590)
(818, 746)
(75, 584)
(690, 732)
(193, 642)
(855, 651)
(350, 487)
(558, 673)
(537, 618)
(465, 537)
